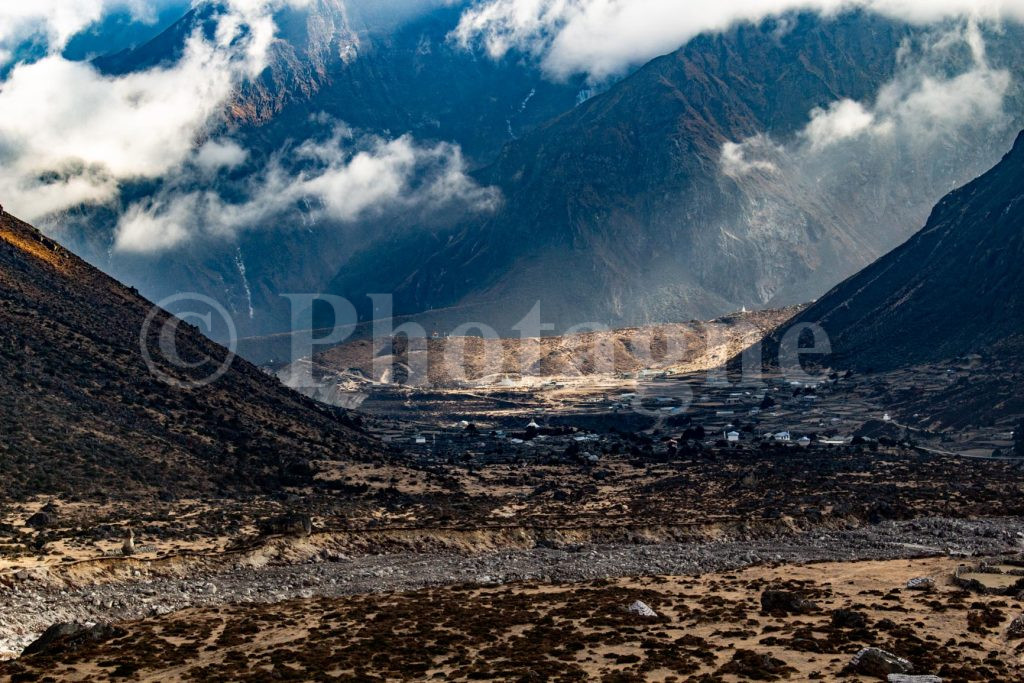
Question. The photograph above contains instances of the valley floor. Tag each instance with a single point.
(486, 553)
(707, 626)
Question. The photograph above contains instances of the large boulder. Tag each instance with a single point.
(642, 609)
(877, 663)
(921, 583)
(287, 525)
(68, 637)
(1016, 628)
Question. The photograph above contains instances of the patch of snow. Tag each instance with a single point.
(522, 108)
(245, 282)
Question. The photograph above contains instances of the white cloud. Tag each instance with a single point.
(218, 154)
(62, 123)
(735, 161)
(920, 104)
(350, 179)
(603, 37)
(871, 171)
(159, 226)
(54, 21)
(842, 120)
(69, 134)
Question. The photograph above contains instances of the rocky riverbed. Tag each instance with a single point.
(30, 606)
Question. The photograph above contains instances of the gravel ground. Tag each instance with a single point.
(29, 609)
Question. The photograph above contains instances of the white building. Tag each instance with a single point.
(782, 436)
(732, 436)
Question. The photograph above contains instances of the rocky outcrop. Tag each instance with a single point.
(68, 637)
(877, 663)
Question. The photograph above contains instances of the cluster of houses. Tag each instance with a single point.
(807, 415)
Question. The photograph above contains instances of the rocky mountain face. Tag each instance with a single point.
(410, 77)
(374, 71)
(82, 415)
(309, 42)
(620, 211)
(953, 289)
(332, 62)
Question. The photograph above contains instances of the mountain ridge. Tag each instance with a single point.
(954, 288)
(623, 196)
(83, 415)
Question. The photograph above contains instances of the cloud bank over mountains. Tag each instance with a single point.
(346, 178)
(876, 166)
(921, 107)
(602, 38)
(70, 135)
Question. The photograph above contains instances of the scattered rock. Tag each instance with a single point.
(873, 661)
(848, 618)
(784, 602)
(1016, 628)
(921, 583)
(642, 609)
(41, 520)
(756, 666)
(61, 638)
(128, 547)
(287, 525)
(333, 556)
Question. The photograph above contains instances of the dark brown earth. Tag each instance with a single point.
(709, 629)
(81, 414)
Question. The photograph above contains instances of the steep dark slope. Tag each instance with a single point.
(81, 414)
(618, 211)
(954, 288)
